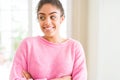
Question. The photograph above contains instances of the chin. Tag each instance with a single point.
(49, 35)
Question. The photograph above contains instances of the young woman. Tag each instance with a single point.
(49, 57)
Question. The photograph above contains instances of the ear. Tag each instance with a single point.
(62, 19)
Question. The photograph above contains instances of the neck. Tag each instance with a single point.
(56, 39)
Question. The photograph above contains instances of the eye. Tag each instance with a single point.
(42, 18)
(53, 17)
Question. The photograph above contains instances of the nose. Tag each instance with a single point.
(47, 21)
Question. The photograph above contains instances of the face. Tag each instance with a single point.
(50, 20)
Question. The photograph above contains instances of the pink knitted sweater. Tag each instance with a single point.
(46, 60)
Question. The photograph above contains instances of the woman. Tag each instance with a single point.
(49, 57)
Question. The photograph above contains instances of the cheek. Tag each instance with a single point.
(41, 24)
(58, 22)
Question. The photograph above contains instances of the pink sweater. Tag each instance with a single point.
(45, 60)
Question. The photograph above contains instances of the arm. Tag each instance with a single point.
(79, 69)
(63, 78)
(29, 77)
(19, 63)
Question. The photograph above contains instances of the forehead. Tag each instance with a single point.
(48, 8)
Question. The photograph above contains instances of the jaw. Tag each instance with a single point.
(52, 34)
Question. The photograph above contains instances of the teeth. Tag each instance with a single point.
(48, 28)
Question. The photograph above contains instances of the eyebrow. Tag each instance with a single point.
(49, 13)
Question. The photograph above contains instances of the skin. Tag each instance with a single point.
(28, 76)
(50, 19)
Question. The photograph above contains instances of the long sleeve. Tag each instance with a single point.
(79, 69)
(19, 63)
(45, 60)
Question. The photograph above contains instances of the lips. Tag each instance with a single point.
(46, 29)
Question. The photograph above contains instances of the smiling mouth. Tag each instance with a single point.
(46, 29)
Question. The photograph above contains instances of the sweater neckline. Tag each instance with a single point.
(53, 44)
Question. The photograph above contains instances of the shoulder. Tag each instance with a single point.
(30, 40)
(75, 43)
(76, 46)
